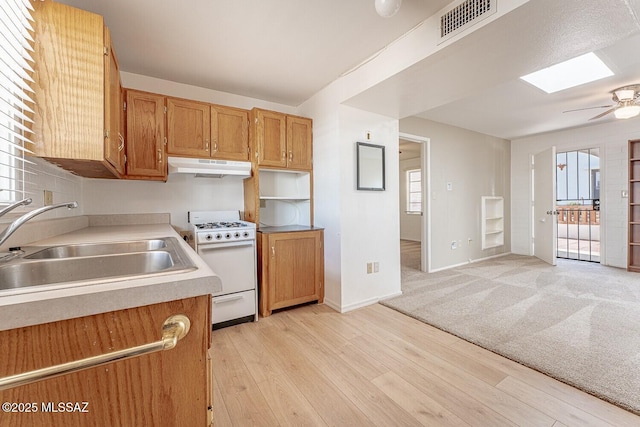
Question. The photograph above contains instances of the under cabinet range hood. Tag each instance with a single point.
(208, 167)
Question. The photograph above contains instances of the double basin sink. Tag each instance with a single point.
(95, 261)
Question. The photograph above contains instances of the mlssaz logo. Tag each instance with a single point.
(65, 407)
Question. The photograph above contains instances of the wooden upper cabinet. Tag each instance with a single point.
(145, 136)
(299, 143)
(197, 129)
(270, 140)
(229, 133)
(282, 141)
(114, 135)
(188, 128)
(69, 90)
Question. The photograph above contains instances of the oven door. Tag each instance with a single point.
(233, 262)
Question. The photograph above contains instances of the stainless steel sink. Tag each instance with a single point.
(75, 263)
(93, 249)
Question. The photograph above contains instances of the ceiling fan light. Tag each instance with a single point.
(627, 111)
(625, 94)
(387, 8)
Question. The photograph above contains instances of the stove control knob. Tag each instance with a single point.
(236, 235)
(218, 236)
(245, 234)
(227, 236)
(208, 237)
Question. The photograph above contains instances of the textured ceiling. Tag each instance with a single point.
(282, 51)
(285, 51)
(474, 83)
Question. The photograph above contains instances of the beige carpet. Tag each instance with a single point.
(577, 322)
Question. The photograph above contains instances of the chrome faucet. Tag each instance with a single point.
(23, 202)
(26, 217)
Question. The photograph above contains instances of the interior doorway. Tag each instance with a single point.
(414, 205)
(578, 204)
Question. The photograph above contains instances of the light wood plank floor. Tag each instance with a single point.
(374, 366)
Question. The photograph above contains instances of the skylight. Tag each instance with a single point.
(574, 72)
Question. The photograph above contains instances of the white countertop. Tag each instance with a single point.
(48, 303)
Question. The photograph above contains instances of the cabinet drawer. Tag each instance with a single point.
(233, 306)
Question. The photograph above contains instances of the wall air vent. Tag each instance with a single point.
(464, 15)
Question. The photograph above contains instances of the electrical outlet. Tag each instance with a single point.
(454, 245)
(376, 267)
(48, 198)
(369, 268)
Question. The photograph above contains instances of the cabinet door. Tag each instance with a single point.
(299, 143)
(229, 133)
(114, 140)
(188, 128)
(271, 142)
(145, 135)
(295, 268)
(167, 388)
(69, 88)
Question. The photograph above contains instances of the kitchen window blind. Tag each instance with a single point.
(16, 45)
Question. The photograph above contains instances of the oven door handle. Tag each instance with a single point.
(222, 245)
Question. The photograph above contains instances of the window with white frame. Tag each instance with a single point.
(414, 191)
(15, 57)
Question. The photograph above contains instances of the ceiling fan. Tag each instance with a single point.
(626, 103)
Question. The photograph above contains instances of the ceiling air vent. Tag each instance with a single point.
(464, 15)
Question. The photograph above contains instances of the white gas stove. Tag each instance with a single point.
(228, 245)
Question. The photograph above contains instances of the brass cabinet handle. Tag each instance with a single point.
(159, 155)
(290, 155)
(174, 329)
(121, 138)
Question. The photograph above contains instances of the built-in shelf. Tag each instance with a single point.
(285, 197)
(633, 256)
(492, 222)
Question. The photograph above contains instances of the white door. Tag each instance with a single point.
(545, 230)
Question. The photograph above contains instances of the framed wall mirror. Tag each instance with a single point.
(370, 166)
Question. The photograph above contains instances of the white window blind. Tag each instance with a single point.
(15, 97)
(414, 191)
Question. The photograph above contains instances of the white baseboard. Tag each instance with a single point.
(364, 303)
(332, 305)
(471, 261)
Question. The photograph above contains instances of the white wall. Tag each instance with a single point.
(476, 165)
(180, 194)
(370, 219)
(612, 139)
(410, 224)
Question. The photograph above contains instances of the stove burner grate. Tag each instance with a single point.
(220, 224)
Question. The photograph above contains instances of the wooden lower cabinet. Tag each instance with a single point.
(168, 388)
(290, 269)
